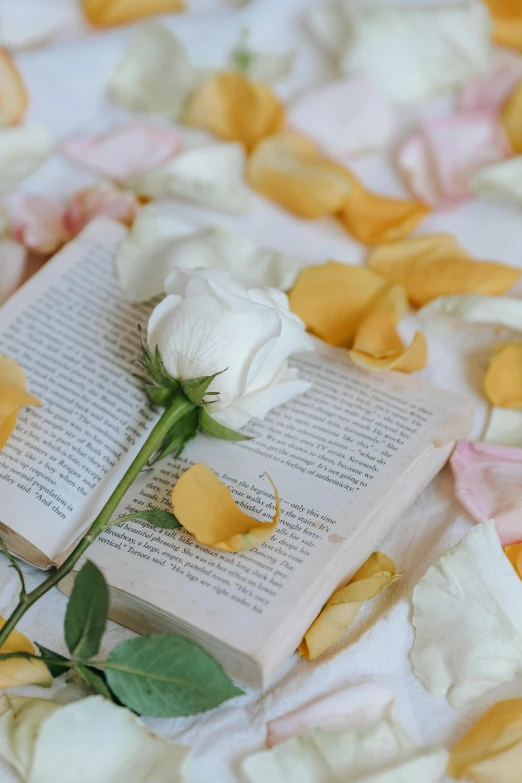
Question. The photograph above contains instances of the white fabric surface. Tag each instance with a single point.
(66, 89)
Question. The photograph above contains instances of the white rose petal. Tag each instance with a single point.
(34, 22)
(381, 754)
(412, 51)
(211, 176)
(156, 74)
(23, 148)
(468, 620)
(20, 721)
(500, 181)
(504, 428)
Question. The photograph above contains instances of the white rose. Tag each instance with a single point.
(210, 323)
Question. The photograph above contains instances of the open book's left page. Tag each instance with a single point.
(75, 336)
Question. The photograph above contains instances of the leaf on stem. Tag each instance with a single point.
(164, 676)
(22, 670)
(55, 668)
(87, 610)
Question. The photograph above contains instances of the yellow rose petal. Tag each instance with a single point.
(105, 13)
(236, 109)
(205, 507)
(13, 395)
(511, 117)
(435, 265)
(514, 555)
(507, 22)
(289, 170)
(491, 751)
(13, 98)
(371, 579)
(372, 218)
(503, 380)
(19, 671)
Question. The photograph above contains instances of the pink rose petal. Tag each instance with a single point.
(345, 117)
(488, 93)
(35, 222)
(488, 483)
(13, 260)
(358, 705)
(122, 153)
(103, 198)
(438, 160)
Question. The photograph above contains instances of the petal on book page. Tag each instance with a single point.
(35, 222)
(235, 109)
(500, 181)
(504, 427)
(205, 507)
(503, 379)
(357, 706)
(20, 721)
(467, 615)
(103, 198)
(488, 483)
(21, 671)
(377, 573)
(121, 153)
(381, 754)
(22, 150)
(13, 395)
(491, 751)
(104, 13)
(94, 740)
(13, 98)
(435, 265)
(212, 176)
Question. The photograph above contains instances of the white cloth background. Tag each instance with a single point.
(66, 85)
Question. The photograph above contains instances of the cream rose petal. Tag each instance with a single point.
(381, 754)
(22, 150)
(345, 117)
(13, 97)
(500, 181)
(94, 740)
(504, 428)
(474, 308)
(211, 176)
(412, 51)
(20, 721)
(467, 614)
(156, 74)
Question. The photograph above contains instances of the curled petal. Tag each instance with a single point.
(13, 260)
(439, 158)
(13, 98)
(105, 13)
(103, 198)
(372, 218)
(512, 119)
(13, 396)
(235, 109)
(487, 92)
(507, 23)
(377, 573)
(22, 150)
(205, 507)
(435, 265)
(125, 152)
(35, 222)
(20, 671)
(503, 379)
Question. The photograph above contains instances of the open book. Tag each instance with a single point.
(348, 457)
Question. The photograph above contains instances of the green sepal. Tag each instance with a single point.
(160, 395)
(216, 430)
(183, 431)
(155, 367)
(196, 388)
(54, 669)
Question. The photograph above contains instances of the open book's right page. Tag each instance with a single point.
(335, 454)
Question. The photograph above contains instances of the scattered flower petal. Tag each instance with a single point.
(512, 119)
(372, 218)
(344, 117)
(205, 507)
(103, 198)
(474, 308)
(487, 92)
(13, 395)
(18, 671)
(514, 555)
(22, 150)
(20, 721)
(13, 258)
(156, 74)
(491, 751)
(13, 98)
(504, 428)
(121, 153)
(507, 22)
(381, 754)
(503, 379)
(235, 109)
(468, 620)
(260, 66)
(105, 13)
(357, 706)
(412, 51)
(435, 265)
(35, 222)
(211, 176)
(34, 23)
(438, 159)
(501, 181)
(377, 573)
(488, 483)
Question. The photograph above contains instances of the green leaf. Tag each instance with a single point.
(165, 676)
(86, 614)
(95, 679)
(55, 669)
(156, 516)
(160, 395)
(183, 431)
(196, 388)
(212, 427)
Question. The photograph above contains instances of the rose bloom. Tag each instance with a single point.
(210, 323)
